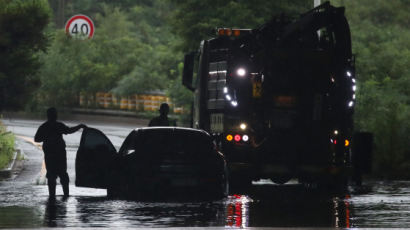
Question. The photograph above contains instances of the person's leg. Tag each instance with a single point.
(65, 180)
(61, 165)
(51, 173)
(51, 182)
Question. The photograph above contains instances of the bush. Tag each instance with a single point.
(384, 110)
(6, 146)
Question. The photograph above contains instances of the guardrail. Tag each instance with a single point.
(136, 102)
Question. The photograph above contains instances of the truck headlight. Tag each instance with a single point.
(242, 126)
(241, 72)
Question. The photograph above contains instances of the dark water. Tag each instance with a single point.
(377, 204)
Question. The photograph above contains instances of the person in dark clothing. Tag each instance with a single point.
(162, 119)
(55, 156)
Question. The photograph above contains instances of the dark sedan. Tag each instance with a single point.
(157, 162)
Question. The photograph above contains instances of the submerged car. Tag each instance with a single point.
(155, 162)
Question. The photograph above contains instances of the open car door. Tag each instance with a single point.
(95, 161)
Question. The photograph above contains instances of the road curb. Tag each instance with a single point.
(14, 166)
(41, 179)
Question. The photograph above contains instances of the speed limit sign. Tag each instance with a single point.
(80, 26)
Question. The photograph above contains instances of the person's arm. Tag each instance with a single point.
(69, 130)
(39, 137)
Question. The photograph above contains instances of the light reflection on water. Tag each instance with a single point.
(237, 211)
(23, 205)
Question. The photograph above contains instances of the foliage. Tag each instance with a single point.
(125, 56)
(385, 112)
(6, 146)
(73, 66)
(381, 40)
(181, 95)
(22, 36)
(135, 48)
(195, 20)
(157, 59)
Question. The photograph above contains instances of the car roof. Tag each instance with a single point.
(173, 129)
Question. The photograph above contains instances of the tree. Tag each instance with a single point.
(22, 25)
(131, 52)
(195, 20)
(157, 60)
(73, 66)
(381, 42)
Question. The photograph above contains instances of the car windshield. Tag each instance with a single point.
(170, 142)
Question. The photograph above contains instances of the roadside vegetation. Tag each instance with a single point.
(6, 146)
(381, 41)
(138, 46)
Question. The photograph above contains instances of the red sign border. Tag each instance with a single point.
(80, 16)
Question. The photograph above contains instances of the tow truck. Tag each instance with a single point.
(279, 99)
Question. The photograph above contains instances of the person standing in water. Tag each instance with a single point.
(55, 156)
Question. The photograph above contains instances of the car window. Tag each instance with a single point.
(155, 142)
(128, 146)
(173, 142)
(95, 139)
(194, 143)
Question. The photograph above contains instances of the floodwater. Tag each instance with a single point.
(382, 205)
(24, 201)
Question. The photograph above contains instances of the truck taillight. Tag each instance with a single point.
(237, 137)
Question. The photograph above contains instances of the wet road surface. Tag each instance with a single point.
(24, 199)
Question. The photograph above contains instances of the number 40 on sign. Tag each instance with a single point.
(80, 26)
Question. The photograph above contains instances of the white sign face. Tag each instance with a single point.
(80, 26)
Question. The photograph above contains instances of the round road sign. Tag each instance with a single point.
(80, 26)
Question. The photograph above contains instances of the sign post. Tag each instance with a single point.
(80, 26)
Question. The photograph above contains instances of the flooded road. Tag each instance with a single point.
(24, 200)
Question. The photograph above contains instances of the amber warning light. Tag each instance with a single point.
(284, 101)
(232, 32)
